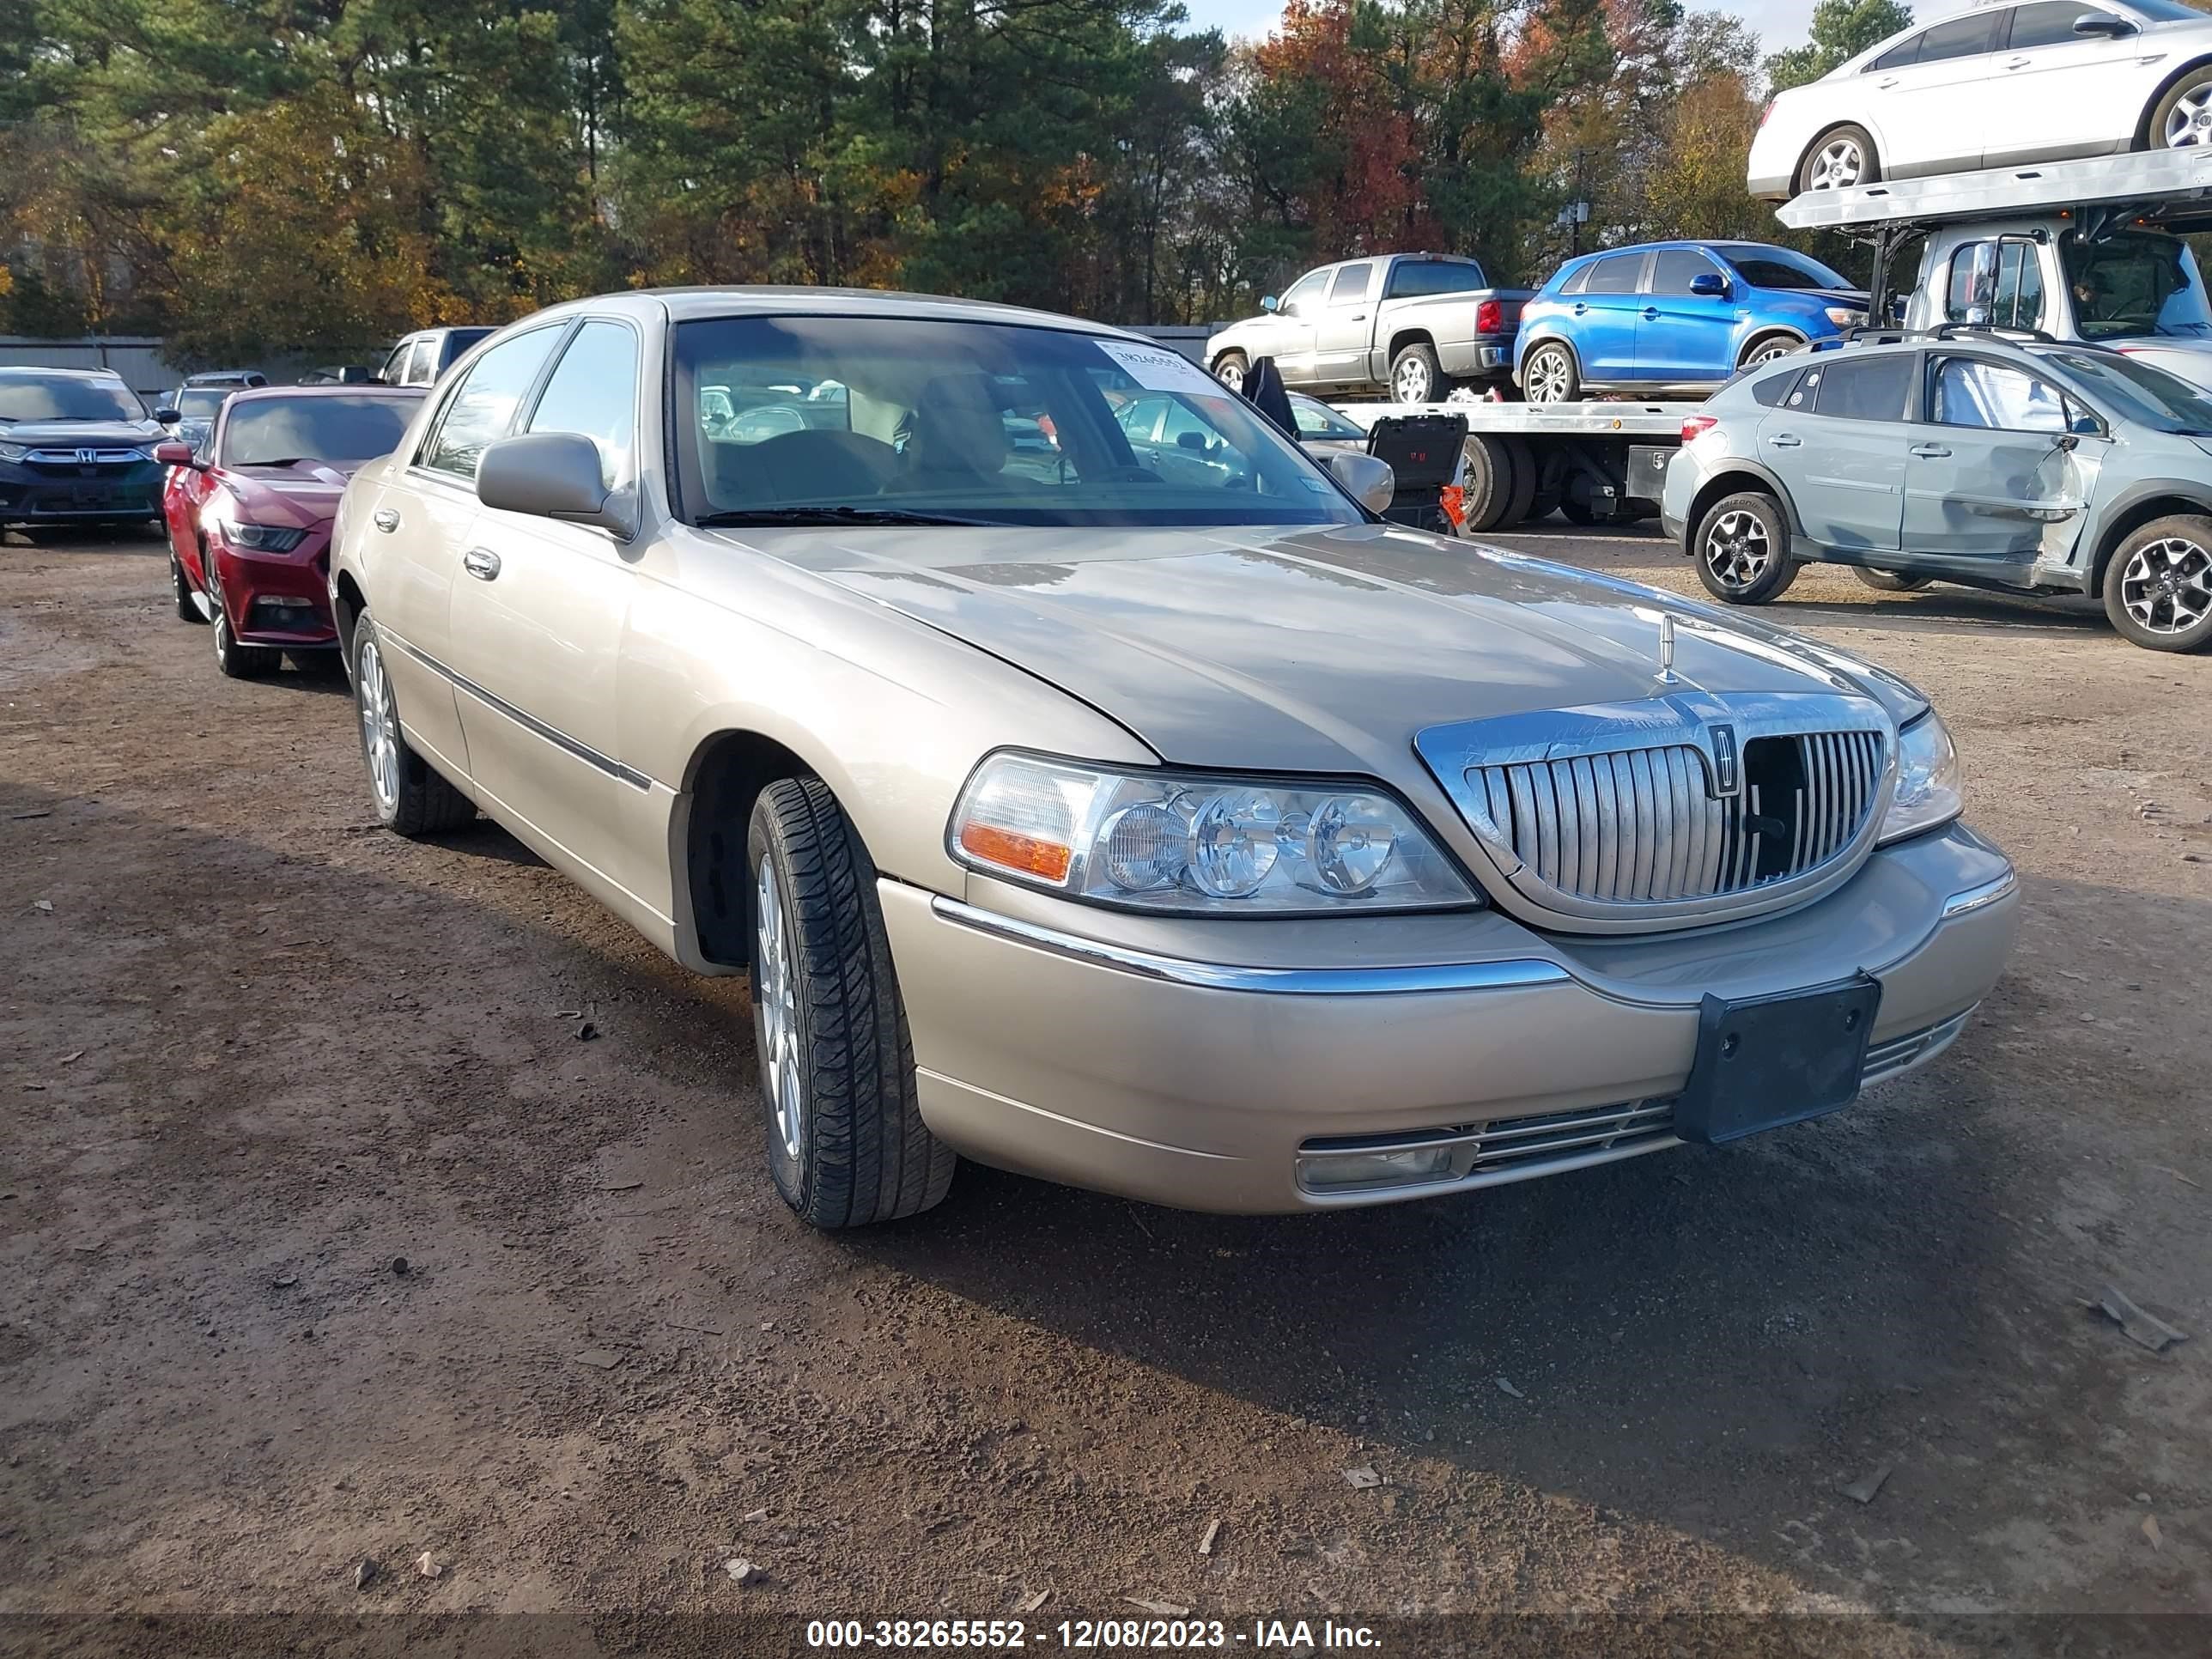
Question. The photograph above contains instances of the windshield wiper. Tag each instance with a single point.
(832, 516)
(280, 460)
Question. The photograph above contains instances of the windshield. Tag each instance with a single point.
(199, 403)
(2163, 11)
(979, 422)
(2133, 283)
(2138, 392)
(265, 430)
(1778, 267)
(66, 397)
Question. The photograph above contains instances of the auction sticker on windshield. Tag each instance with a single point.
(1156, 368)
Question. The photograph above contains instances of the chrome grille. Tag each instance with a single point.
(1642, 825)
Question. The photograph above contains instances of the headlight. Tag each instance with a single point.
(1845, 317)
(263, 538)
(13, 451)
(1929, 780)
(1183, 842)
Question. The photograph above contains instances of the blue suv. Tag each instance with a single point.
(1675, 316)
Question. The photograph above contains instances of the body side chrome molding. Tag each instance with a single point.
(529, 722)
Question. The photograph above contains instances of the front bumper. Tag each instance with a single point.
(1115, 1063)
(254, 584)
(76, 494)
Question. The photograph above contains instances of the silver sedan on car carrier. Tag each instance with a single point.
(1187, 832)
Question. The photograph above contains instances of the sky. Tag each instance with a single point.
(1779, 23)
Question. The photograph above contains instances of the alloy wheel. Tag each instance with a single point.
(2167, 586)
(1231, 375)
(2188, 123)
(1768, 352)
(1839, 166)
(1737, 551)
(778, 1012)
(1409, 382)
(1547, 379)
(379, 727)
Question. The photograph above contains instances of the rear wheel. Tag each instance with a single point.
(846, 1143)
(1491, 482)
(412, 798)
(1230, 369)
(1416, 377)
(1839, 158)
(2183, 119)
(2158, 585)
(240, 662)
(1890, 581)
(1743, 549)
(1550, 376)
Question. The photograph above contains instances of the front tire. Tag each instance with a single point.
(1742, 550)
(1839, 158)
(240, 662)
(2158, 585)
(1550, 375)
(1231, 368)
(1416, 377)
(181, 589)
(846, 1143)
(410, 797)
(2183, 119)
(1770, 348)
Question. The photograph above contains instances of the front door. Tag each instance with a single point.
(537, 618)
(1288, 337)
(2074, 83)
(422, 519)
(1990, 471)
(1346, 327)
(1682, 336)
(1839, 444)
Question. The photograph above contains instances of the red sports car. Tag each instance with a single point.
(249, 514)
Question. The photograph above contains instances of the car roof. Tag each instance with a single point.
(13, 369)
(262, 394)
(655, 305)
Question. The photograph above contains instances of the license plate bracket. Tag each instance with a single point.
(1766, 1062)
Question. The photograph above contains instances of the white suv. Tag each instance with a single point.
(1994, 87)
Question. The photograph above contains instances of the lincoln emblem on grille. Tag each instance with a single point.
(1725, 769)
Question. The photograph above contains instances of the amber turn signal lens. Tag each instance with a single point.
(1012, 851)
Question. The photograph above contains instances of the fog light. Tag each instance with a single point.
(1328, 1172)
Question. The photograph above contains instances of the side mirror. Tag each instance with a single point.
(554, 475)
(1368, 481)
(168, 417)
(2085, 425)
(1710, 283)
(171, 452)
(1269, 303)
(2104, 24)
(1190, 440)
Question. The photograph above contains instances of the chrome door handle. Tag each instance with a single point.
(1651, 314)
(1930, 452)
(1581, 310)
(1886, 85)
(2016, 63)
(1361, 318)
(385, 519)
(482, 563)
(1786, 441)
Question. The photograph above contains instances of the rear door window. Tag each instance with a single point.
(1962, 37)
(1350, 285)
(1868, 389)
(1905, 51)
(1617, 273)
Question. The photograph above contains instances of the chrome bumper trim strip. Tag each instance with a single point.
(1975, 898)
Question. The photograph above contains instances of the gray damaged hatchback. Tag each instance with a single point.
(2034, 466)
(1163, 823)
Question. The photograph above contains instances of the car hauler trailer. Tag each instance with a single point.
(1597, 463)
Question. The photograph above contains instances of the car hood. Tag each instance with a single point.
(79, 435)
(2190, 359)
(1303, 649)
(304, 495)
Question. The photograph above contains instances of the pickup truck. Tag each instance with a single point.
(1416, 325)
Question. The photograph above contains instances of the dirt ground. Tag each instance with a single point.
(253, 1051)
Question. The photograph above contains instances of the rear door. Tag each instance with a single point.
(1347, 326)
(1934, 95)
(1606, 315)
(538, 613)
(1988, 472)
(1681, 336)
(1838, 442)
(421, 518)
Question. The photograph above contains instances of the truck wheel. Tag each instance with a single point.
(1229, 367)
(1839, 158)
(846, 1143)
(1549, 376)
(1491, 484)
(1743, 549)
(2158, 585)
(1890, 581)
(2183, 119)
(1416, 377)
(1525, 476)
